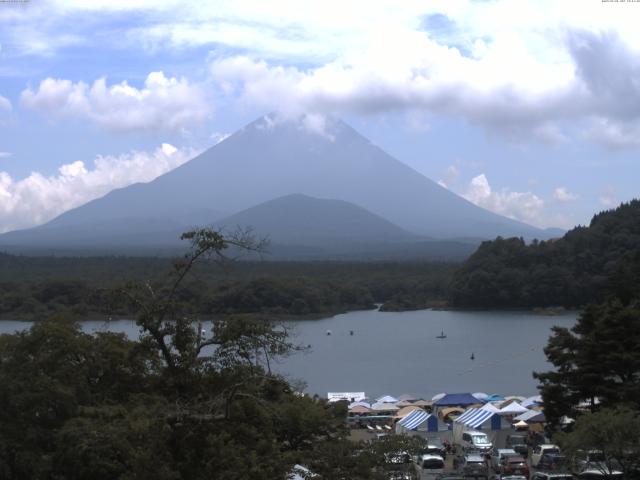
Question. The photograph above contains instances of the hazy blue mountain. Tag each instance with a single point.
(302, 220)
(265, 160)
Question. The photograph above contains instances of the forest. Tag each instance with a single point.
(32, 288)
(584, 266)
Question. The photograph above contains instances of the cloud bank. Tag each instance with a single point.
(168, 104)
(37, 199)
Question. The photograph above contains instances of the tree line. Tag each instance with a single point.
(584, 266)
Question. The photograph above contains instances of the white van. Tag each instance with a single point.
(474, 440)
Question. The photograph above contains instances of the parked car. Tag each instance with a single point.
(518, 443)
(599, 471)
(472, 465)
(434, 445)
(429, 466)
(497, 454)
(508, 477)
(540, 450)
(552, 461)
(552, 476)
(514, 465)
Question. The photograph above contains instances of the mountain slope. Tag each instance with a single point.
(271, 158)
(302, 220)
(582, 267)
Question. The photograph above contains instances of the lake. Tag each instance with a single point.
(398, 352)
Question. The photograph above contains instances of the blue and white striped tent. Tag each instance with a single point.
(477, 417)
(418, 419)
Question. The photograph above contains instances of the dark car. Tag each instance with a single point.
(518, 443)
(514, 465)
(552, 461)
(472, 465)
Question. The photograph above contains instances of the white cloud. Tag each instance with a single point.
(218, 137)
(162, 104)
(562, 194)
(451, 174)
(37, 199)
(608, 197)
(5, 104)
(5, 154)
(524, 206)
(524, 69)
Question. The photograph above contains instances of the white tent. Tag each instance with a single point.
(481, 396)
(527, 402)
(437, 397)
(418, 420)
(526, 415)
(489, 407)
(513, 408)
(386, 399)
(360, 403)
(385, 407)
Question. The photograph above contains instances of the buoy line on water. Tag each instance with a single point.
(520, 353)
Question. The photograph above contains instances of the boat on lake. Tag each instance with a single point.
(442, 335)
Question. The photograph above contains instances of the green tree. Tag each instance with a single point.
(597, 362)
(613, 433)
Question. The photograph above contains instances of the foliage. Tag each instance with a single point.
(586, 265)
(598, 359)
(84, 287)
(178, 403)
(613, 433)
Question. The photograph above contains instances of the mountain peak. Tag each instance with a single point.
(326, 127)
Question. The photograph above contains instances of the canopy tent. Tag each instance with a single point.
(513, 408)
(519, 398)
(386, 399)
(407, 398)
(495, 398)
(384, 407)
(361, 403)
(521, 424)
(438, 396)
(475, 417)
(490, 407)
(535, 400)
(539, 418)
(359, 409)
(457, 400)
(443, 412)
(418, 420)
(526, 415)
(481, 396)
(404, 411)
(423, 403)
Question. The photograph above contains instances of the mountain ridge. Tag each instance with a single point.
(272, 158)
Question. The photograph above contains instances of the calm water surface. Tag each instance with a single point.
(398, 353)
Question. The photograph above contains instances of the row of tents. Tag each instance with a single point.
(479, 410)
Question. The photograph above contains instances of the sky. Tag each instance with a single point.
(530, 109)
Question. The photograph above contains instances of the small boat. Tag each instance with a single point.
(328, 332)
(473, 357)
(442, 335)
(351, 332)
